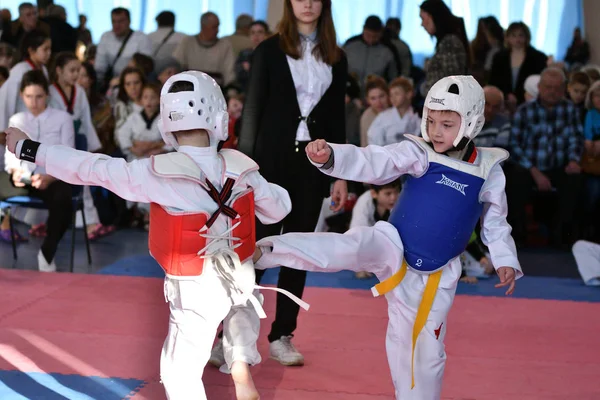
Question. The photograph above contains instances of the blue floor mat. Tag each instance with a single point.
(528, 287)
(16, 385)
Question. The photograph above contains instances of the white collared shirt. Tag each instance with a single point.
(50, 127)
(109, 47)
(312, 78)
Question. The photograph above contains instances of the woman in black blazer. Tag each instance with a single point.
(295, 94)
(520, 59)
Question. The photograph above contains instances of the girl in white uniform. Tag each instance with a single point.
(67, 95)
(416, 254)
(36, 50)
(209, 271)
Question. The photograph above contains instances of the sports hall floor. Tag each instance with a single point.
(97, 334)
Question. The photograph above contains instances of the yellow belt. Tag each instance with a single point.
(424, 307)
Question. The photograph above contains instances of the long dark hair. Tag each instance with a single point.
(32, 40)
(62, 59)
(447, 23)
(289, 38)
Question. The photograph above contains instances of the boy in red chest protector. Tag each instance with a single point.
(203, 205)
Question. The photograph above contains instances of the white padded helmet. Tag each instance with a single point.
(202, 108)
(461, 94)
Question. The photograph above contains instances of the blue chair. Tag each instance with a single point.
(38, 204)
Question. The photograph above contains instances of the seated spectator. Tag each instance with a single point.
(372, 206)
(390, 125)
(546, 146)
(235, 105)
(129, 95)
(206, 52)
(166, 68)
(139, 137)
(144, 63)
(377, 95)
(7, 55)
(579, 84)
(496, 129)
(531, 87)
(590, 162)
(23, 178)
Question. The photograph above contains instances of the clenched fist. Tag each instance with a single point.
(318, 151)
(13, 135)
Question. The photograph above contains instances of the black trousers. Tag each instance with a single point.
(304, 184)
(562, 204)
(57, 197)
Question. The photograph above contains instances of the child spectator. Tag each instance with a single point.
(377, 100)
(372, 206)
(579, 84)
(390, 125)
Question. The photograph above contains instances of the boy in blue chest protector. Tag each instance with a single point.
(415, 255)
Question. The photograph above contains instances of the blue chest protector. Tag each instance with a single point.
(437, 212)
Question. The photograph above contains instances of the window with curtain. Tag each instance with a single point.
(551, 21)
(143, 12)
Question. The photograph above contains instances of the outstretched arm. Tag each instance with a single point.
(372, 164)
(129, 181)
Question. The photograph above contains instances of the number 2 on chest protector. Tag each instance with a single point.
(419, 262)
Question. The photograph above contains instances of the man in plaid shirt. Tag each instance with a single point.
(546, 146)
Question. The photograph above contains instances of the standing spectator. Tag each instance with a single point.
(83, 33)
(116, 47)
(63, 35)
(578, 52)
(546, 145)
(27, 22)
(488, 41)
(165, 39)
(259, 31)
(367, 55)
(392, 34)
(206, 52)
(240, 40)
(296, 94)
(514, 64)
(451, 55)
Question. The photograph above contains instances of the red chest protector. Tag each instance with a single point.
(176, 237)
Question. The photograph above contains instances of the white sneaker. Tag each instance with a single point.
(284, 351)
(217, 358)
(43, 264)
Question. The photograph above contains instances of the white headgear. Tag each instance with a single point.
(202, 108)
(461, 94)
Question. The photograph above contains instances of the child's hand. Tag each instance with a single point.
(318, 151)
(507, 278)
(13, 135)
(487, 266)
(339, 195)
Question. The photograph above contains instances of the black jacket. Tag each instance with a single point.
(271, 113)
(501, 73)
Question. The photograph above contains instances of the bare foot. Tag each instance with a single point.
(244, 385)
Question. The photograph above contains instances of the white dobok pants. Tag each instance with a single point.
(197, 308)
(378, 249)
